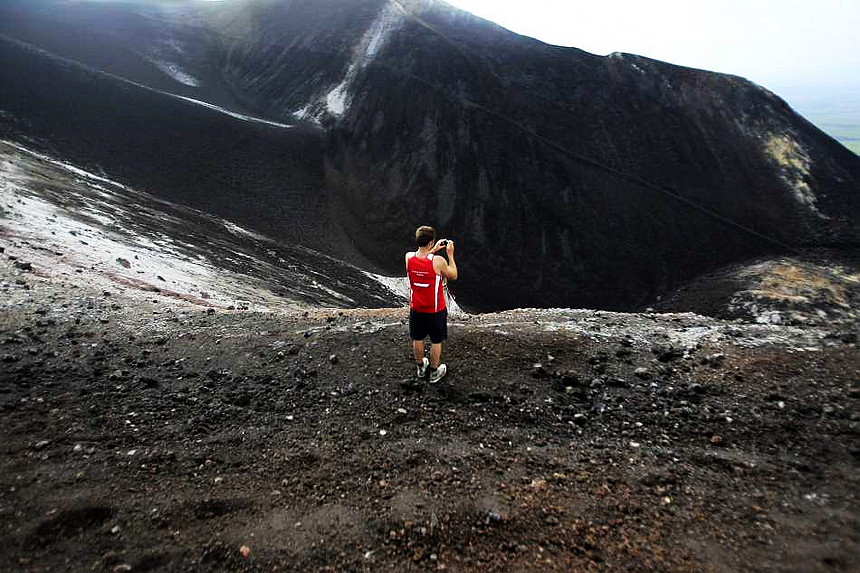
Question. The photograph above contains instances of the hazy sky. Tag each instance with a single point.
(781, 44)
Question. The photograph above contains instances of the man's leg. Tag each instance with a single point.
(418, 349)
(435, 355)
(437, 337)
(417, 331)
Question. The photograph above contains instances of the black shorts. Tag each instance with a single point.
(432, 324)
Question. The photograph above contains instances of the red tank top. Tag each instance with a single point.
(425, 286)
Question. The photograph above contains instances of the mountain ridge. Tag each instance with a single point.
(601, 173)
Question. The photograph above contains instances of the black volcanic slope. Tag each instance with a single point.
(578, 180)
(266, 177)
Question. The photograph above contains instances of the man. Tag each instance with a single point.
(428, 316)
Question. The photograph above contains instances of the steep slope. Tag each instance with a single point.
(93, 230)
(571, 179)
(150, 43)
(586, 180)
(266, 176)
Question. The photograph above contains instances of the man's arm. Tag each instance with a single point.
(447, 269)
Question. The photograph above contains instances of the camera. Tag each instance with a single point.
(443, 243)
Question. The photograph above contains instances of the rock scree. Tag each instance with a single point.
(146, 432)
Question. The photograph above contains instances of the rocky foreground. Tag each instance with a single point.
(147, 432)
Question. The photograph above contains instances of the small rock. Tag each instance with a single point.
(481, 396)
(854, 392)
(333, 359)
(122, 567)
(215, 374)
(538, 483)
(9, 358)
(551, 520)
(717, 440)
(410, 384)
(538, 371)
(667, 353)
(716, 360)
(41, 444)
(642, 373)
(123, 262)
(848, 337)
(245, 550)
(115, 529)
(23, 265)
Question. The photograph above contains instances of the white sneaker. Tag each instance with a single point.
(438, 374)
(422, 370)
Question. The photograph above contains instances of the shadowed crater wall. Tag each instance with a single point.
(567, 179)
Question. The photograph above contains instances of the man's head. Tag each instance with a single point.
(425, 236)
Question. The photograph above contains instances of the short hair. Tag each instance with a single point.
(425, 235)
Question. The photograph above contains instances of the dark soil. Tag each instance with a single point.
(150, 434)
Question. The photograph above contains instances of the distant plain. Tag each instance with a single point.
(843, 125)
(837, 114)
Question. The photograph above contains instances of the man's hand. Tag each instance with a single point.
(438, 246)
(447, 269)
